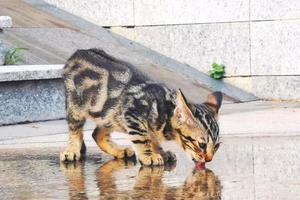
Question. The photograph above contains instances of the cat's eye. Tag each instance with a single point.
(217, 146)
(202, 145)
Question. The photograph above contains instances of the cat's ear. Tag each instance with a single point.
(214, 101)
(182, 111)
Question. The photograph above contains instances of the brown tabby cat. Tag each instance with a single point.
(119, 98)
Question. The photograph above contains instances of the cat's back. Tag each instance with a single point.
(87, 60)
(95, 82)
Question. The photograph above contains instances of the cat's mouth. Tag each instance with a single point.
(199, 164)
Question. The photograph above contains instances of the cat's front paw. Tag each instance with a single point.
(71, 153)
(126, 153)
(151, 160)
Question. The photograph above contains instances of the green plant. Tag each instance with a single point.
(217, 71)
(14, 55)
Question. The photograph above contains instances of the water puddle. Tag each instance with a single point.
(245, 168)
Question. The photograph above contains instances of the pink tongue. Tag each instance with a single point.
(200, 165)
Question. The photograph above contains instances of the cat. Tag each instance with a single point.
(118, 97)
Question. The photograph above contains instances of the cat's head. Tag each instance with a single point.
(197, 127)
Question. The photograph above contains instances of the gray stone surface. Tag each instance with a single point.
(270, 87)
(273, 151)
(27, 101)
(5, 22)
(281, 168)
(258, 119)
(3, 51)
(277, 87)
(157, 12)
(143, 12)
(103, 13)
(275, 48)
(198, 45)
(30, 72)
(275, 9)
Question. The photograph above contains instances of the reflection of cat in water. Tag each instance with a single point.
(200, 184)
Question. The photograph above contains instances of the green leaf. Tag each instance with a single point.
(217, 76)
(217, 71)
(214, 65)
(14, 55)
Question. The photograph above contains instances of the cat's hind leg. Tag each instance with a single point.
(102, 138)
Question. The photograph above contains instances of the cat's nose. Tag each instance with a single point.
(208, 158)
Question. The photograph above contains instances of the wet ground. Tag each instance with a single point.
(244, 168)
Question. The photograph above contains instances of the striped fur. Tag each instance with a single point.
(117, 97)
